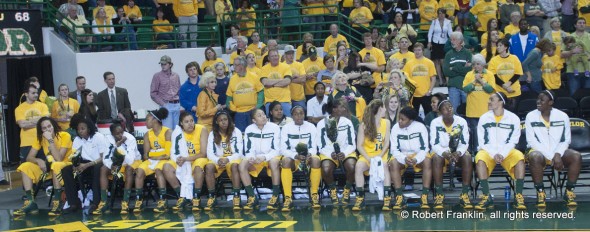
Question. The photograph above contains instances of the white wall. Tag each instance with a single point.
(63, 62)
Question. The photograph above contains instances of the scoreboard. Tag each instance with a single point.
(20, 33)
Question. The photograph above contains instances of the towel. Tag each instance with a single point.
(376, 176)
(184, 173)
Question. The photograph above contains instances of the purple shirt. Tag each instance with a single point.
(164, 88)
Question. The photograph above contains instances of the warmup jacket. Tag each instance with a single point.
(292, 134)
(439, 138)
(263, 142)
(129, 146)
(232, 151)
(410, 140)
(498, 138)
(548, 140)
(346, 137)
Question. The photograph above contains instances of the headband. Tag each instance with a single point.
(298, 106)
(550, 95)
(218, 113)
(441, 102)
(501, 98)
(156, 117)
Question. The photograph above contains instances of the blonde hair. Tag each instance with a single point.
(337, 76)
(401, 75)
(205, 78)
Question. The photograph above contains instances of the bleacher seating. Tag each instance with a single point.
(567, 105)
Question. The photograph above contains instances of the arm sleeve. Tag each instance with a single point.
(513, 140)
(210, 146)
(395, 152)
(131, 144)
(284, 147)
(464, 143)
(275, 143)
(562, 146)
(237, 147)
(323, 145)
(529, 59)
(436, 148)
(461, 68)
(154, 91)
(421, 155)
(351, 139)
(94, 28)
(530, 135)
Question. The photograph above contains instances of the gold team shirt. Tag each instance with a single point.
(361, 13)
(511, 29)
(234, 55)
(211, 63)
(485, 37)
(475, 99)
(248, 26)
(558, 41)
(484, 52)
(484, 12)
(255, 70)
(243, 91)
(133, 12)
(297, 90)
(331, 42)
(63, 140)
(69, 106)
(377, 57)
(399, 56)
(258, 52)
(157, 142)
(312, 67)
(450, 6)
(506, 68)
(280, 94)
(314, 11)
(427, 11)
(26, 111)
(420, 71)
(375, 147)
(193, 140)
(161, 26)
(552, 79)
(582, 3)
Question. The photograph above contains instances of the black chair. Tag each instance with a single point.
(567, 105)
(580, 134)
(581, 93)
(584, 107)
(525, 106)
(462, 110)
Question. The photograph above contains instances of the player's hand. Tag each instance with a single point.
(498, 158)
(557, 162)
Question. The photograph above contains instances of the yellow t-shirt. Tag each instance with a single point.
(134, 12)
(347, 3)
(247, 27)
(299, 52)
(297, 90)
(221, 12)
(407, 56)
(25, 111)
(484, 38)
(552, 79)
(511, 29)
(109, 10)
(331, 42)
(63, 140)
(450, 6)
(71, 106)
(484, 12)
(281, 94)
(331, 10)
(586, 16)
(157, 142)
(185, 8)
(257, 49)
(427, 11)
(506, 68)
(475, 107)
(375, 147)
(314, 11)
(558, 41)
(484, 52)
(42, 97)
(361, 13)
(420, 71)
(211, 63)
(234, 55)
(312, 67)
(162, 26)
(377, 57)
(255, 70)
(243, 91)
(193, 140)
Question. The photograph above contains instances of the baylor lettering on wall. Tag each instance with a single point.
(20, 33)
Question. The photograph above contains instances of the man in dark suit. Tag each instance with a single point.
(80, 85)
(113, 103)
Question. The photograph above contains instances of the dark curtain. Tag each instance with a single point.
(18, 70)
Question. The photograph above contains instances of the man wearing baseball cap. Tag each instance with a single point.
(164, 91)
(298, 78)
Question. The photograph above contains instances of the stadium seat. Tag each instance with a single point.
(461, 110)
(581, 93)
(567, 105)
(525, 106)
(580, 134)
(584, 107)
(145, 38)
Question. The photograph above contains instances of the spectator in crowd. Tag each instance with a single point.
(516, 47)
(331, 42)
(275, 18)
(409, 10)
(222, 77)
(247, 16)
(374, 59)
(298, 79)
(167, 7)
(113, 102)
(568, 15)
(438, 34)
(551, 9)
(231, 43)
(513, 27)
(222, 9)
(489, 50)
(506, 11)
(395, 86)
(133, 12)
(189, 90)
(535, 14)
(305, 48)
(76, 25)
(163, 30)
(325, 75)
(315, 104)
(428, 13)
(484, 11)
(256, 46)
(342, 90)
(399, 29)
(241, 49)
(479, 85)
(436, 99)
(88, 108)
(109, 10)
(34, 81)
(341, 57)
(27, 114)
(422, 71)
(383, 45)
(244, 93)
(508, 70)
(102, 27)
(451, 8)
(80, 85)
(186, 12)
(552, 66)
(164, 91)
(572, 56)
(64, 8)
(556, 35)
(404, 54)
(277, 116)
(64, 108)
(210, 60)
(492, 25)
(276, 78)
(251, 64)
(124, 32)
(360, 16)
(456, 65)
(393, 107)
(313, 65)
(471, 43)
(301, 49)
(207, 101)
(532, 65)
(290, 18)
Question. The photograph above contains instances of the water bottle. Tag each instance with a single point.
(507, 193)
